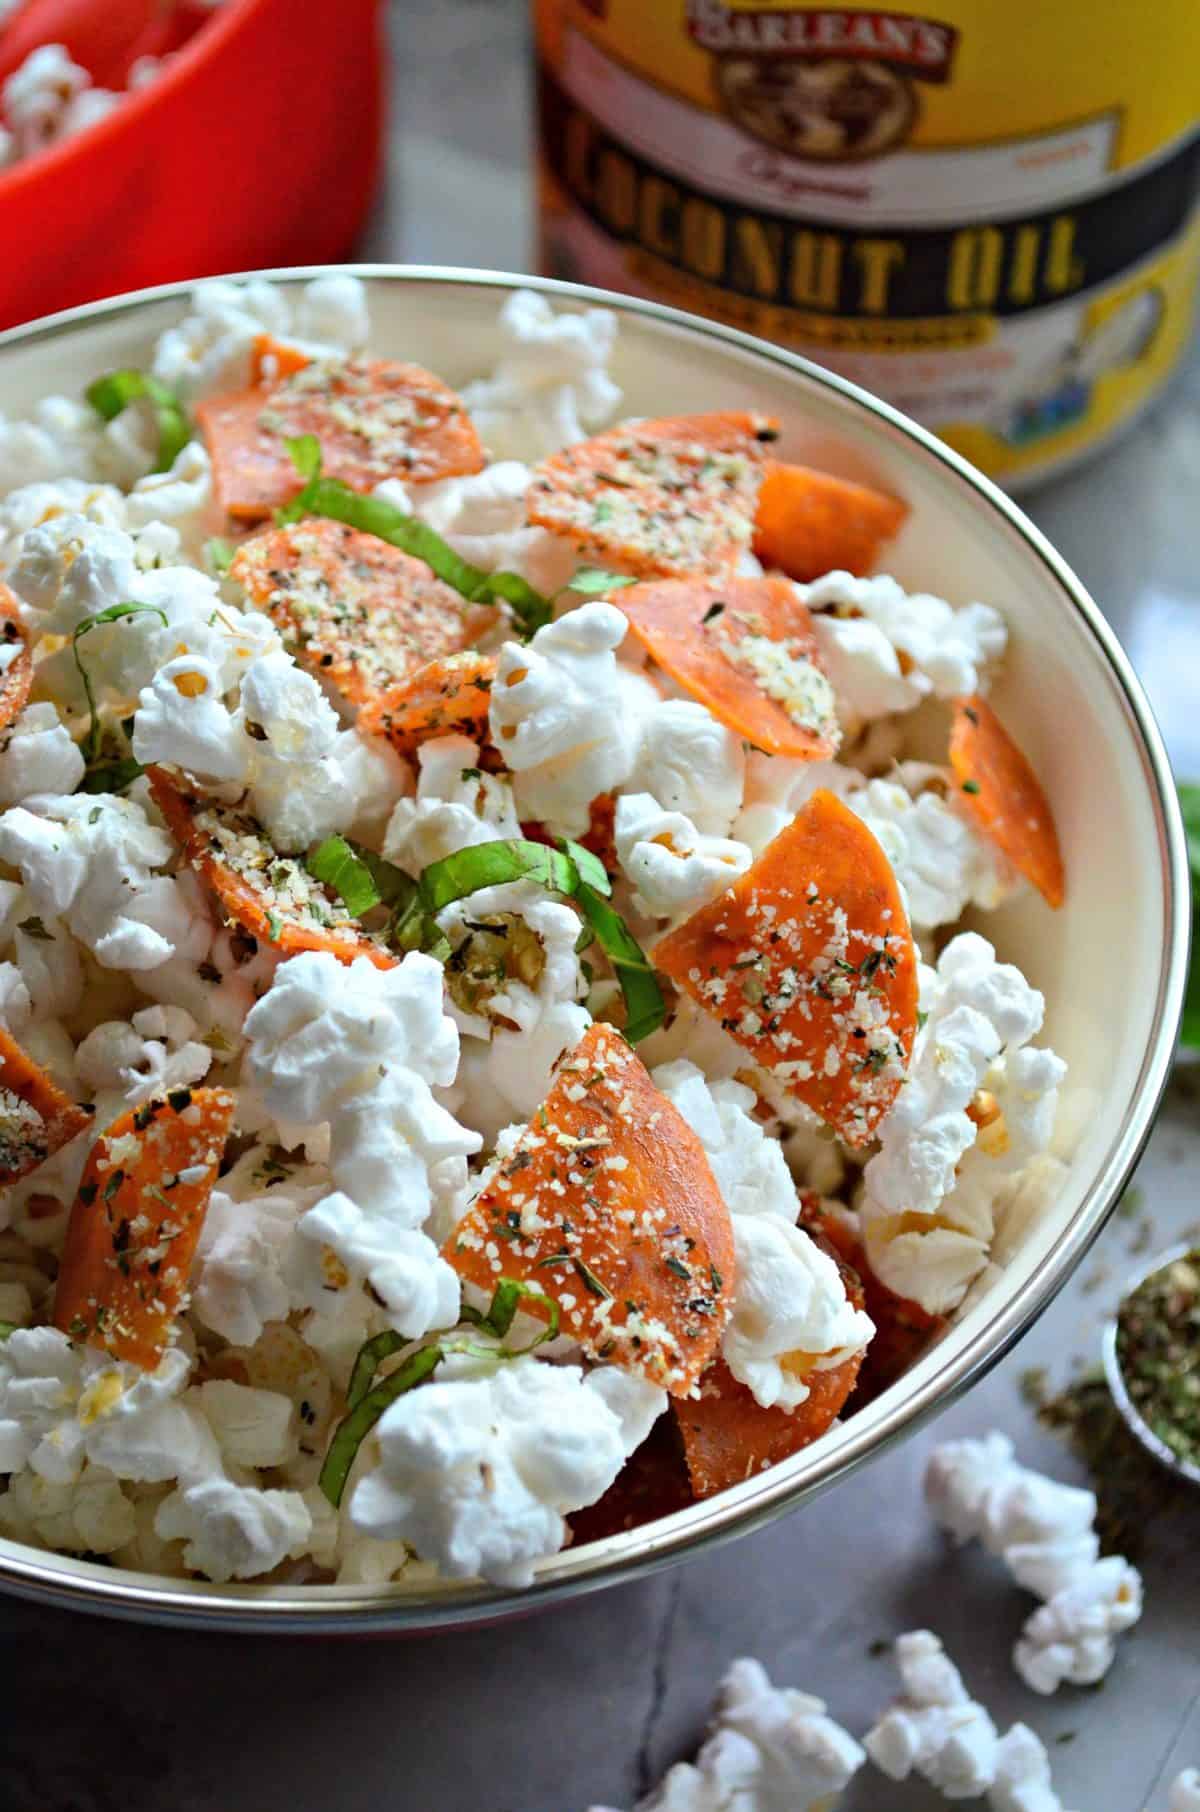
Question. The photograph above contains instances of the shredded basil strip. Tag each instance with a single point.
(593, 582)
(507, 1297)
(113, 614)
(1189, 799)
(645, 1005)
(366, 1401)
(219, 554)
(111, 776)
(110, 395)
(7, 1328)
(371, 1355)
(492, 865)
(413, 927)
(335, 864)
(375, 516)
(570, 870)
(393, 886)
(591, 868)
(354, 1428)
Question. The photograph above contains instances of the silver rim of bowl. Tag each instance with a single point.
(1115, 1377)
(329, 1610)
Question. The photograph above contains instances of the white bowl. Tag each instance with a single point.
(1112, 963)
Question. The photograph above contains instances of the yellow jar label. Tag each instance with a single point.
(987, 216)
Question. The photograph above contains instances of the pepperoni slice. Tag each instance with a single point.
(747, 651)
(1001, 792)
(375, 419)
(449, 697)
(728, 1435)
(36, 1118)
(672, 497)
(608, 1205)
(136, 1222)
(16, 676)
(352, 608)
(272, 897)
(809, 523)
(808, 962)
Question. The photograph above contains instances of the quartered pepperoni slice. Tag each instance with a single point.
(448, 697)
(608, 1205)
(744, 648)
(809, 523)
(272, 897)
(36, 1118)
(375, 419)
(136, 1221)
(352, 608)
(1001, 792)
(673, 497)
(728, 1435)
(16, 673)
(808, 962)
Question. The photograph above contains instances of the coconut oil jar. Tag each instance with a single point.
(986, 215)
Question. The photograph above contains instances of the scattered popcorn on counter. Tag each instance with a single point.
(769, 1749)
(1023, 1781)
(1043, 1531)
(1185, 1792)
(935, 1729)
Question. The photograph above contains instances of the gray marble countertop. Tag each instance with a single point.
(590, 1702)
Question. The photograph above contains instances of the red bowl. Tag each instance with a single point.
(258, 144)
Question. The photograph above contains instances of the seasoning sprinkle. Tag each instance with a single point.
(1158, 1350)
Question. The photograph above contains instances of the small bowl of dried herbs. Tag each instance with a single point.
(1152, 1360)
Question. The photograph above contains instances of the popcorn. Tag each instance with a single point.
(478, 1468)
(61, 1406)
(790, 1305)
(942, 863)
(38, 755)
(87, 1515)
(1073, 1636)
(790, 1311)
(482, 517)
(323, 1029)
(1185, 1792)
(921, 1238)
(674, 868)
(233, 1531)
(209, 352)
(691, 763)
(131, 1062)
(935, 1729)
(551, 385)
(776, 789)
(560, 718)
(456, 806)
(1044, 1533)
(237, 1281)
(1023, 1782)
(252, 1427)
(769, 1749)
(417, 1288)
(874, 622)
(91, 860)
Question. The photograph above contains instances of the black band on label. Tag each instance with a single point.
(1002, 267)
